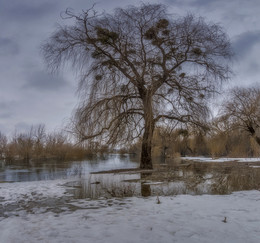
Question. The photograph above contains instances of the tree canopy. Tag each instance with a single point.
(140, 66)
(242, 110)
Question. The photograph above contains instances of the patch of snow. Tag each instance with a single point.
(153, 183)
(182, 218)
(205, 159)
(13, 192)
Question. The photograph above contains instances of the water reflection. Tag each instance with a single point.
(145, 188)
(194, 178)
(49, 170)
(169, 179)
(199, 178)
(98, 186)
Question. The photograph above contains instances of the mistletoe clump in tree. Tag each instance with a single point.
(139, 67)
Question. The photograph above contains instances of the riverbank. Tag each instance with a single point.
(181, 218)
(173, 203)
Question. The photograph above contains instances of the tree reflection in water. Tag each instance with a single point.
(184, 177)
(145, 188)
(193, 178)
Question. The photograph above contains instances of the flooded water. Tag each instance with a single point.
(194, 178)
(51, 170)
(81, 185)
(198, 178)
(183, 178)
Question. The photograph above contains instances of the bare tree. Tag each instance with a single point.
(139, 67)
(242, 110)
(23, 144)
(39, 137)
(3, 145)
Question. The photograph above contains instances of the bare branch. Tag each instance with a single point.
(139, 66)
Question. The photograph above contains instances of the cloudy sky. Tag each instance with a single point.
(29, 95)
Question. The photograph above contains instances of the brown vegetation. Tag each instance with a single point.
(38, 145)
(215, 143)
(242, 110)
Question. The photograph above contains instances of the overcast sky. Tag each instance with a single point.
(29, 95)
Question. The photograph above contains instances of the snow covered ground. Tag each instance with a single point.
(205, 159)
(182, 218)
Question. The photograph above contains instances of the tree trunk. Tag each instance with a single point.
(146, 154)
(257, 139)
(253, 134)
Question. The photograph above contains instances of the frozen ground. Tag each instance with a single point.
(182, 218)
(205, 159)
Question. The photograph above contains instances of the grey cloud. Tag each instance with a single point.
(8, 47)
(3, 105)
(193, 3)
(170, 2)
(244, 43)
(3, 128)
(27, 9)
(42, 81)
(5, 109)
(22, 127)
(253, 69)
(202, 3)
(6, 105)
(5, 115)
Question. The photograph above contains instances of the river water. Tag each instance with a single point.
(51, 170)
(193, 178)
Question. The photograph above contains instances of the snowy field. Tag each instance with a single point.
(205, 159)
(182, 218)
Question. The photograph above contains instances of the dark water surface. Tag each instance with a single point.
(186, 177)
(51, 170)
(113, 188)
(194, 178)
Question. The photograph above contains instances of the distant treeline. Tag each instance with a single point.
(38, 145)
(222, 139)
(214, 143)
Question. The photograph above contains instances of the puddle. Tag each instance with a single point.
(194, 179)
(104, 186)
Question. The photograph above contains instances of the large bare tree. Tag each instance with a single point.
(242, 110)
(139, 66)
